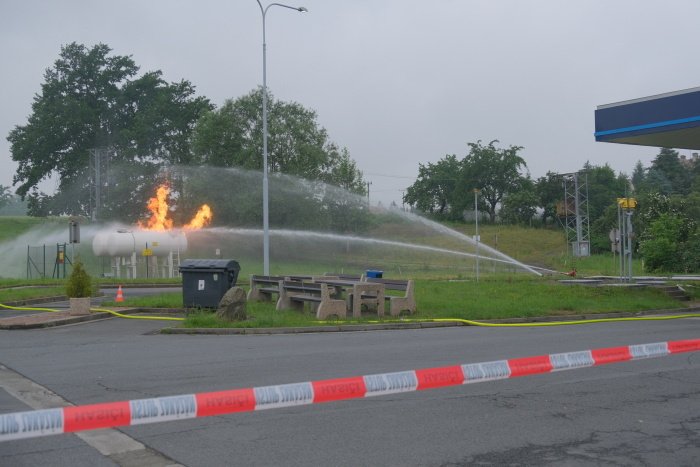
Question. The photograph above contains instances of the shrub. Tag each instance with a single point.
(669, 244)
(79, 283)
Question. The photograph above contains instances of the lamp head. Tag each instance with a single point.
(303, 9)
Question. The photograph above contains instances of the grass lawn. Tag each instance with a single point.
(14, 226)
(24, 293)
(527, 298)
(488, 299)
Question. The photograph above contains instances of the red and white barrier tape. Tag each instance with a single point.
(162, 409)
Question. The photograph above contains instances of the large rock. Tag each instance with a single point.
(232, 306)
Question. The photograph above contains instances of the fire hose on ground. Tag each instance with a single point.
(466, 322)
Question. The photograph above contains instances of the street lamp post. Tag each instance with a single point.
(266, 213)
(476, 219)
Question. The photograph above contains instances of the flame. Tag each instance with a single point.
(201, 219)
(159, 220)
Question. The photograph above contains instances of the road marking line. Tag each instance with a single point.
(108, 442)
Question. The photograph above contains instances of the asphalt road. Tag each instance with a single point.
(636, 413)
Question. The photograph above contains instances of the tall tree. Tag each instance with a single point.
(549, 193)
(494, 171)
(520, 206)
(91, 99)
(5, 196)
(668, 175)
(638, 179)
(231, 136)
(344, 172)
(604, 187)
(434, 190)
(445, 188)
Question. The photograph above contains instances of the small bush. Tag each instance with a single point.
(79, 283)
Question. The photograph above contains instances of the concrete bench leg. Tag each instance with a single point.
(329, 306)
(255, 295)
(284, 302)
(407, 302)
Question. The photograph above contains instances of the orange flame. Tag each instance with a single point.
(159, 220)
(201, 219)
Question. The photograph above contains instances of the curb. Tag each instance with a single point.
(40, 300)
(37, 301)
(141, 286)
(94, 316)
(308, 329)
(405, 326)
(57, 322)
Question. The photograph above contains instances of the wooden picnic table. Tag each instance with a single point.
(367, 293)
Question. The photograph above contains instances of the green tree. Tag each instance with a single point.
(494, 171)
(667, 227)
(692, 206)
(91, 99)
(653, 205)
(520, 206)
(344, 172)
(434, 190)
(604, 187)
(446, 187)
(638, 179)
(231, 136)
(668, 175)
(79, 283)
(5, 196)
(695, 173)
(663, 242)
(549, 193)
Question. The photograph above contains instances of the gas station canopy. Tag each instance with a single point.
(670, 120)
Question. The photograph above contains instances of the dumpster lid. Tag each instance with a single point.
(226, 264)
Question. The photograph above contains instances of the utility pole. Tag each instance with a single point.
(99, 172)
(476, 237)
(368, 184)
(265, 182)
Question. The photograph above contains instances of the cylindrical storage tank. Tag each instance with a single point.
(100, 243)
(125, 242)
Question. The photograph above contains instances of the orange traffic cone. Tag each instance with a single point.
(120, 295)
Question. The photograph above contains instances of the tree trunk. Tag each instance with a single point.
(492, 213)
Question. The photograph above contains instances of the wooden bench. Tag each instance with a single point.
(397, 304)
(294, 294)
(262, 287)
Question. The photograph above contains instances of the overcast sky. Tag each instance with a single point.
(397, 82)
